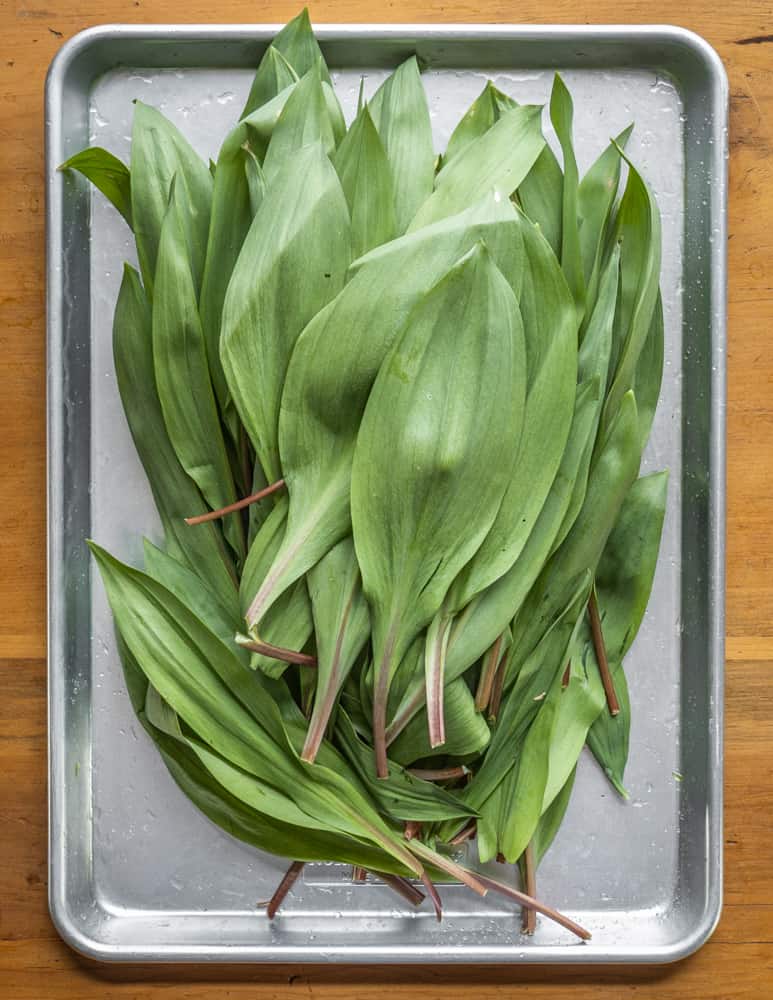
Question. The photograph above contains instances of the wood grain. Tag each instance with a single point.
(738, 961)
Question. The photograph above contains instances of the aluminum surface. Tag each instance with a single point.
(136, 873)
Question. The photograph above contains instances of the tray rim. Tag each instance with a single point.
(696, 935)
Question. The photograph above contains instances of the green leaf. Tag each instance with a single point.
(196, 594)
(182, 374)
(400, 795)
(561, 114)
(551, 820)
(499, 160)
(551, 358)
(595, 198)
(489, 614)
(522, 809)
(450, 375)
(342, 627)
(277, 286)
(256, 180)
(649, 374)
(467, 732)
(638, 231)
(478, 119)
(160, 152)
(541, 194)
(593, 363)
(366, 179)
(609, 736)
(333, 368)
(626, 568)
(401, 116)
(107, 173)
(522, 701)
(610, 479)
(219, 700)
(288, 623)
(175, 493)
(295, 49)
(304, 121)
(256, 828)
(231, 218)
(274, 73)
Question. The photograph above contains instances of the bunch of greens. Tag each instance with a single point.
(392, 408)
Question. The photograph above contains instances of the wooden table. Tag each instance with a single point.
(738, 961)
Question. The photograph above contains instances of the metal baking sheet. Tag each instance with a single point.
(136, 873)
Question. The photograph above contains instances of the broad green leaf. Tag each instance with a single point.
(609, 735)
(561, 114)
(303, 121)
(498, 160)
(467, 732)
(219, 700)
(342, 627)
(233, 208)
(638, 232)
(551, 363)
(196, 594)
(160, 152)
(488, 615)
(107, 173)
(593, 363)
(449, 376)
(182, 374)
(277, 286)
(611, 477)
(522, 701)
(478, 119)
(274, 73)
(595, 197)
(649, 374)
(576, 707)
(551, 820)
(256, 828)
(256, 180)
(541, 194)
(627, 566)
(401, 116)
(366, 179)
(289, 622)
(486, 827)
(175, 493)
(333, 368)
(400, 795)
(521, 810)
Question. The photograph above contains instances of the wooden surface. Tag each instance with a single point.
(738, 961)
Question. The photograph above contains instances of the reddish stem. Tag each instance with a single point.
(412, 829)
(565, 678)
(601, 654)
(496, 692)
(402, 887)
(501, 860)
(439, 774)
(530, 871)
(466, 832)
(278, 652)
(288, 881)
(358, 874)
(487, 674)
(433, 895)
(523, 899)
(214, 515)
